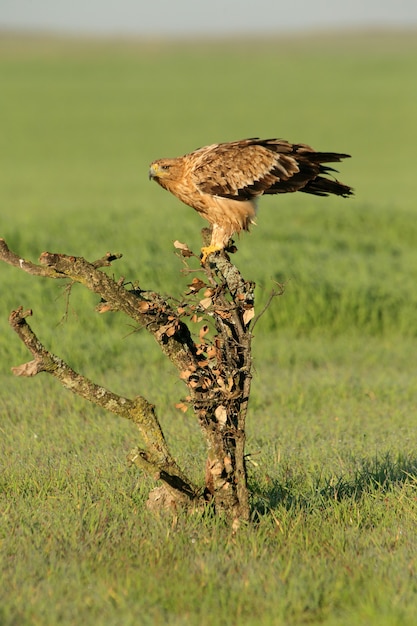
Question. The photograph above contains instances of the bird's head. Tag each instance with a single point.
(160, 169)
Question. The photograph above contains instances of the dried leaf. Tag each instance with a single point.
(221, 384)
(211, 352)
(184, 249)
(179, 245)
(171, 330)
(195, 285)
(104, 307)
(167, 329)
(28, 369)
(182, 406)
(206, 303)
(232, 248)
(143, 306)
(221, 415)
(224, 315)
(185, 374)
(248, 315)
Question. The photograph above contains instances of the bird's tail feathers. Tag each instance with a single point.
(322, 157)
(321, 186)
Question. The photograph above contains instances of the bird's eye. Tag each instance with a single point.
(164, 167)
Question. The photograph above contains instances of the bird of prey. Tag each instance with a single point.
(223, 181)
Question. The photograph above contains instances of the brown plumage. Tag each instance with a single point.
(223, 181)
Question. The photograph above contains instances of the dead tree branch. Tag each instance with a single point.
(147, 308)
(215, 366)
(155, 458)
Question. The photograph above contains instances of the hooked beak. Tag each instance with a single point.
(153, 171)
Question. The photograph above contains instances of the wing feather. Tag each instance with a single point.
(240, 169)
(245, 169)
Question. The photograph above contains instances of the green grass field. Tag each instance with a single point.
(333, 421)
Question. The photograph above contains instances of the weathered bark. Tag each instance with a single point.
(223, 415)
(216, 368)
(155, 459)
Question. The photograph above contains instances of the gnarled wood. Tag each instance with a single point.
(215, 366)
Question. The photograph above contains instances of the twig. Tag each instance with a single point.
(272, 295)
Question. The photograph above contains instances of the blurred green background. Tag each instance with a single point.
(334, 392)
(82, 121)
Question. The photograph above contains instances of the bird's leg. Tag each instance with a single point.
(219, 239)
(206, 251)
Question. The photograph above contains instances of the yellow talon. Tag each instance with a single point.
(209, 250)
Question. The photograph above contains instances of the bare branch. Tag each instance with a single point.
(147, 308)
(274, 294)
(156, 457)
(106, 260)
(27, 266)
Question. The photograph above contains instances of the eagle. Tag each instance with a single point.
(223, 181)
